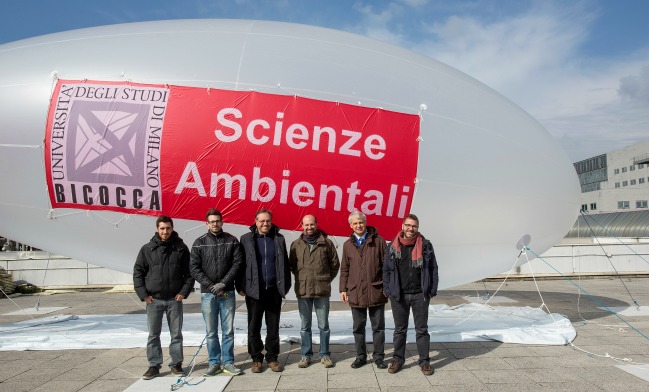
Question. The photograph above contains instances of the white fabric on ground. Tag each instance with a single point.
(467, 322)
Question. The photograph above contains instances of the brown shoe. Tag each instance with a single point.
(427, 369)
(275, 366)
(257, 367)
(394, 367)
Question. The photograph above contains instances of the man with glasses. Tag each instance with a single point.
(410, 280)
(314, 262)
(265, 282)
(216, 261)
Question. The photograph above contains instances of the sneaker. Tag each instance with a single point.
(213, 370)
(151, 373)
(275, 366)
(327, 362)
(394, 367)
(177, 370)
(426, 369)
(257, 367)
(304, 362)
(231, 369)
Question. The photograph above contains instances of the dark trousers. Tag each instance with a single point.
(268, 306)
(377, 319)
(401, 313)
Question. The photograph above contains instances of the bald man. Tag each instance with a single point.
(314, 262)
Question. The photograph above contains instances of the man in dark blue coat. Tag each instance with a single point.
(265, 281)
(410, 280)
(161, 278)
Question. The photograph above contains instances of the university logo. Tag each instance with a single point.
(106, 142)
(103, 146)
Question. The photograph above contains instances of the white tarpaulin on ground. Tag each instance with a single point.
(463, 323)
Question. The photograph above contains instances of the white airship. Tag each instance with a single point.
(103, 129)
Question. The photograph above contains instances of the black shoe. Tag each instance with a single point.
(380, 364)
(151, 373)
(177, 370)
(358, 362)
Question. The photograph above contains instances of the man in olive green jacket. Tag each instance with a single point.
(314, 262)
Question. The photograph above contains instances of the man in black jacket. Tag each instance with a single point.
(410, 280)
(264, 283)
(216, 260)
(161, 278)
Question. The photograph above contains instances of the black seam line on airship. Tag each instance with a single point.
(587, 293)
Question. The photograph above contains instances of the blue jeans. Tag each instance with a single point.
(212, 308)
(174, 312)
(305, 306)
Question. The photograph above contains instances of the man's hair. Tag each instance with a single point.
(264, 211)
(411, 216)
(165, 219)
(358, 215)
(213, 211)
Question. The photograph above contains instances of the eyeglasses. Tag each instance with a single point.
(214, 222)
(263, 221)
(408, 226)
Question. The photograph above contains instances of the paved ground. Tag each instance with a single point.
(471, 366)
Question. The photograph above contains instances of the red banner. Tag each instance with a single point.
(178, 151)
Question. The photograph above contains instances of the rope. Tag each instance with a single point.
(180, 382)
(587, 293)
(609, 261)
(496, 292)
(606, 355)
(586, 214)
(47, 267)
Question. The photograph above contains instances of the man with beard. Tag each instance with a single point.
(314, 262)
(161, 278)
(216, 261)
(410, 280)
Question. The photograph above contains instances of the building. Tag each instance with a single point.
(615, 182)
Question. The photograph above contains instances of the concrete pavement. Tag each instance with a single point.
(468, 366)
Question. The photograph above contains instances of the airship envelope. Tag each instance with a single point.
(103, 129)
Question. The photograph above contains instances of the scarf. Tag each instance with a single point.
(417, 259)
(311, 239)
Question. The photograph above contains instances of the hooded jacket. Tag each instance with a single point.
(216, 258)
(162, 269)
(249, 278)
(314, 267)
(361, 270)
